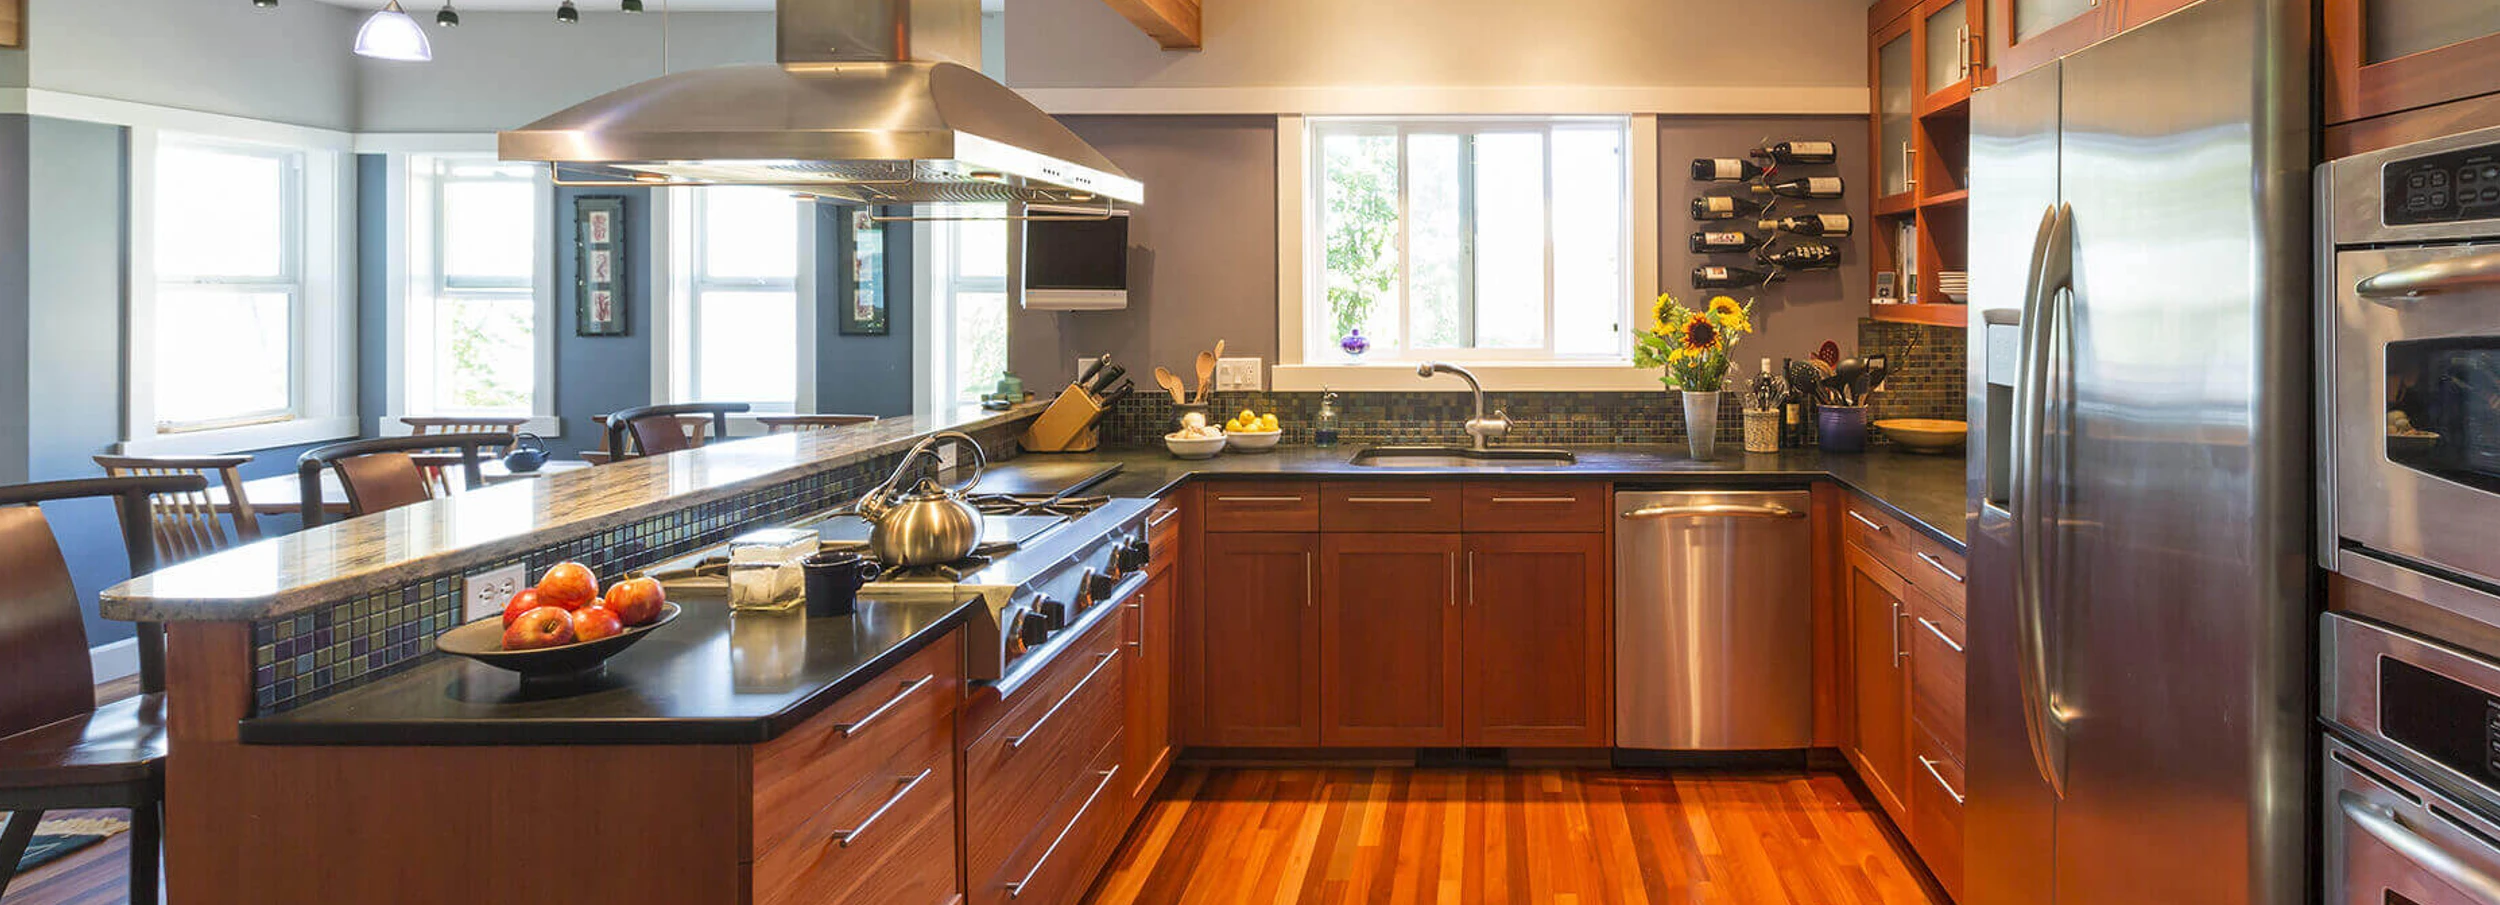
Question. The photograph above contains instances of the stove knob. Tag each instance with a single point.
(1033, 628)
(1054, 614)
(1132, 556)
(1098, 588)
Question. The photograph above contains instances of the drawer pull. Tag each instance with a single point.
(1933, 629)
(1863, 520)
(1157, 521)
(1933, 563)
(852, 729)
(1938, 775)
(1017, 888)
(1258, 499)
(1391, 500)
(846, 837)
(1536, 499)
(1099, 663)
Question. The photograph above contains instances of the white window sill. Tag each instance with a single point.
(247, 438)
(547, 426)
(1392, 376)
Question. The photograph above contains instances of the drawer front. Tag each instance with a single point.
(1938, 571)
(847, 744)
(1066, 841)
(1261, 505)
(1388, 506)
(1878, 531)
(1035, 755)
(1936, 804)
(1163, 529)
(1922, 560)
(1939, 677)
(891, 839)
(1534, 506)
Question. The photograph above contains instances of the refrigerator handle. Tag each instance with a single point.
(2052, 268)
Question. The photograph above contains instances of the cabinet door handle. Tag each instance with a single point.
(1452, 601)
(1391, 500)
(1536, 499)
(852, 729)
(1029, 731)
(1157, 521)
(1863, 520)
(1017, 888)
(1961, 37)
(1471, 578)
(1258, 499)
(844, 838)
(1909, 163)
(1310, 586)
(1938, 776)
(1937, 631)
(1898, 651)
(1933, 563)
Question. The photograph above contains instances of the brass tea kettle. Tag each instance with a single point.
(925, 523)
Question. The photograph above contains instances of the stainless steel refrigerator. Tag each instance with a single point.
(2140, 624)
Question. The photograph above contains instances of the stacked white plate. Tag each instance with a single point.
(1954, 284)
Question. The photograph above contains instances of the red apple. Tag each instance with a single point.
(570, 585)
(546, 626)
(637, 600)
(592, 623)
(522, 602)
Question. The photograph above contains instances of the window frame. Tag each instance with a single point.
(1301, 269)
(677, 214)
(413, 214)
(938, 281)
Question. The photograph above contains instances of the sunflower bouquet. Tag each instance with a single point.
(1693, 346)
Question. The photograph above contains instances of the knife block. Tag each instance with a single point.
(1067, 426)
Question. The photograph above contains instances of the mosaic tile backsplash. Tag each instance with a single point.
(305, 656)
(1927, 365)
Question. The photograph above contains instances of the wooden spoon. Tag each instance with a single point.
(1169, 381)
(1206, 369)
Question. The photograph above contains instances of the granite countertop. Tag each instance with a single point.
(1928, 491)
(710, 677)
(492, 525)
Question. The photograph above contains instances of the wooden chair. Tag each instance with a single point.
(785, 424)
(58, 749)
(187, 525)
(697, 428)
(657, 429)
(384, 473)
(423, 425)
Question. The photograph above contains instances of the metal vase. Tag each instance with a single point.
(1701, 424)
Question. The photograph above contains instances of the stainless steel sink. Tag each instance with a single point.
(1459, 457)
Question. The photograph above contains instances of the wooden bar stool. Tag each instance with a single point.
(383, 474)
(57, 748)
(187, 524)
(657, 429)
(786, 424)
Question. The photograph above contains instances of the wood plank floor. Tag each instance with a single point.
(1359, 835)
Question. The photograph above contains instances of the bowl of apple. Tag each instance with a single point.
(563, 627)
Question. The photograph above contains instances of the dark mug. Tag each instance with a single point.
(833, 581)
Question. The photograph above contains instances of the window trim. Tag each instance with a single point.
(936, 259)
(412, 230)
(677, 239)
(1296, 265)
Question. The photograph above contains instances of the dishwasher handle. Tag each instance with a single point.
(1715, 510)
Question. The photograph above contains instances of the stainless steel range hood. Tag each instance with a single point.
(872, 101)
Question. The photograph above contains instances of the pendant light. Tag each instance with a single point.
(391, 35)
(265, 4)
(448, 18)
(633, 6)
(567, 14)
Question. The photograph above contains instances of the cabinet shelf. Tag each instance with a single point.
(1934, 315)
(1950, 102)
(1939, 200)
(1896, 205)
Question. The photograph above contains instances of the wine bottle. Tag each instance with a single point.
(1816, 225)
(1729, 277)
(1726, 207)
(1712, 242)
(1806, 187)
(1799, 152)
(1792, 409)
(1803, 256)
(1724, 169)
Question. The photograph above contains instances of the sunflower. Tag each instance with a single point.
(1698, 335)
(1726, 306)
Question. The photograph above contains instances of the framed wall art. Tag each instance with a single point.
(599, 262)
(865, 311)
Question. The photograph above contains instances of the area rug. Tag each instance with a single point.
(59, 837)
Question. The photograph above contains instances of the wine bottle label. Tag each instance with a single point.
(1714, 273)
(1724, 168)
(1834, 224)
(1823, 185)
(1718, 204)
(1812, 149)
(1729, 240)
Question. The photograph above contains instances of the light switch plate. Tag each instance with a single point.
(484, 594)
(1239, 374)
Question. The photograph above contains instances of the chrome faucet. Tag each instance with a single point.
(1482, 430)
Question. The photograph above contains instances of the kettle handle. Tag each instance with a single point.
(528, 441)
(928, 447)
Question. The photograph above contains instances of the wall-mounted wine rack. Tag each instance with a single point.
(1779, 181)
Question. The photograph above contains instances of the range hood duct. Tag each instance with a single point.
(873, 101)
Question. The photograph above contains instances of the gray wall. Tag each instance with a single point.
(596, 375)
(1794, 316)
(290, 64)
(502, 70)
(14, 338)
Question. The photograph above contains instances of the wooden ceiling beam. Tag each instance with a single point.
(1172, 23)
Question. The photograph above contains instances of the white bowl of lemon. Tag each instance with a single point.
(1253, 432)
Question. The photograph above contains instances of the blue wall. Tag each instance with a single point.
(596, 375)
(862, 375)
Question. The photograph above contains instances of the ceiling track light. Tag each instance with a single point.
(448, 18)
(391, 35)
(265, 4)
(567, 14)
(632, 6)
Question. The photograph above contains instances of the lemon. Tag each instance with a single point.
(1267, 422)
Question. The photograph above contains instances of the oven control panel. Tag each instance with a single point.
(2444, 188)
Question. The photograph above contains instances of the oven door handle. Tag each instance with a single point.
(2382, 825)
(2406, 285)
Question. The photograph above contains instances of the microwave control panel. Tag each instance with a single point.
(2443, 188)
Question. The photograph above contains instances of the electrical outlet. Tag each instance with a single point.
(1239, 374)
(484, 594)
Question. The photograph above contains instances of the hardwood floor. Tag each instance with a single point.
(1487, 836)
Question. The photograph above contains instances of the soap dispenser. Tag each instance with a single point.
(1324, 427)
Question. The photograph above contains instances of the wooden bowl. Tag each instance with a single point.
(1925, 435)
(483, 641)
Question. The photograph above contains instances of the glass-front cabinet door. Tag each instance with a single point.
(2027, 33)
(2389, 55)
(1896, 112)
(1951, 58)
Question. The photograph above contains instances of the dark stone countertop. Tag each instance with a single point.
(1925, 490)
(711, 677)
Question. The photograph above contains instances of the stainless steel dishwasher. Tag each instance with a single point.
(1714, 646)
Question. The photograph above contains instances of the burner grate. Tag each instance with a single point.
(947, 572)
(1035, 504)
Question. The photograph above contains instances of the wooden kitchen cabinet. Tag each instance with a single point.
(2028, 33)
(1389, 640)
(1538, 668)
(1879, 744)
(1258, 672)
(1147, 737)
(2385, 56)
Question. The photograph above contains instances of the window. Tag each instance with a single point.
(738, 317)
(1506, 240)
(228, 306)
(473, 320)
(966, 275)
